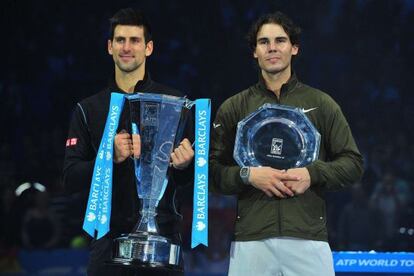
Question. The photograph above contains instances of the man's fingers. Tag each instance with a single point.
(186, 150)
(186, 145)
(276, 192)
(287, 176)
(127, 149)
(182, 155)
(284, 175)
(174, 158)
(177, 162)
(288, 185)
(285, 190)
(121, 145)
(125, 142)
(186, 153)
(122, 151)
(179, 154)
(136, 145)
(136, 152)
(122, 136)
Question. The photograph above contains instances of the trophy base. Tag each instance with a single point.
(146, 251)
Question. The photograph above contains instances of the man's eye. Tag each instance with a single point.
(119, 40)
(263, 42)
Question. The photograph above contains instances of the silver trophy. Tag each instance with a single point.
(159, 120)
(278, 136)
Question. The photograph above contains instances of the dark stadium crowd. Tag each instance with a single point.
(358, 51)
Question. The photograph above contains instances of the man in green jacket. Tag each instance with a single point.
(280, 227)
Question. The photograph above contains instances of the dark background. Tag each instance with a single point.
(358, 51)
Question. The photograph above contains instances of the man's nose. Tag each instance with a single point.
(272, 47)
(126, 46)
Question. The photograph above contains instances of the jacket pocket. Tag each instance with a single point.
(305, 214)
(256, 215)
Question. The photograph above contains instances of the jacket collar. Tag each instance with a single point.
(286, 87)
(140, 86)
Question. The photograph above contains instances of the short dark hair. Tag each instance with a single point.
(279, 18)
(131, 17)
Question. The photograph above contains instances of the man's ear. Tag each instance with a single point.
(110, 47)
(295, 49)
(149, 47)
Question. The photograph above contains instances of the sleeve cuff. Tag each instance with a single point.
(314, 173)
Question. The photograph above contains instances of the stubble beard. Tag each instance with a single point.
(276, 70)
(127, 68)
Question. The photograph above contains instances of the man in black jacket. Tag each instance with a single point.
(130, 44)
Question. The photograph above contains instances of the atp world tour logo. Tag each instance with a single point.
(276, 147)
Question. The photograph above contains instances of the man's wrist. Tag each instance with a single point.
(245, 174)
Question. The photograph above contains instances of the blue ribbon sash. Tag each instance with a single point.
(199, 233)
(98, 209)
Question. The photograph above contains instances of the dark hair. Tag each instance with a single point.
(279, 18)
(131, 17)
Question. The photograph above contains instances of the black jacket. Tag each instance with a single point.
(86, 129)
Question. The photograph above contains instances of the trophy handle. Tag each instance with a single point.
(188, 104)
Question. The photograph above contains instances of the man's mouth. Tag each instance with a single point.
(273, 59)
(126, 57)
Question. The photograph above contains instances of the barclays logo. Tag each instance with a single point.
(103, 219)
(201, 161)
(91, 217)
(108, 156)
(200, 226)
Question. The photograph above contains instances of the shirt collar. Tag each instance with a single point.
(286, 87)
(140, 86)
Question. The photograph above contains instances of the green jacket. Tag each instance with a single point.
(339, 165)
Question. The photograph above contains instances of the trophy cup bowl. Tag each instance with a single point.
(159, 120)
(277, 136)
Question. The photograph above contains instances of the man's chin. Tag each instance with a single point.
(128, 69)
(274, 70)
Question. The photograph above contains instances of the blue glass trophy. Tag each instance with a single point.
(159, 120)
(277, 136)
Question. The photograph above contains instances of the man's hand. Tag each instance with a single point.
(302, 184)
(125, 147)
(183, 155)
(271, 181)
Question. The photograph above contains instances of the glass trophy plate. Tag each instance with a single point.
(277, 136)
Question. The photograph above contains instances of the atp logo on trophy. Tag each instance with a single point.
(276, 147)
